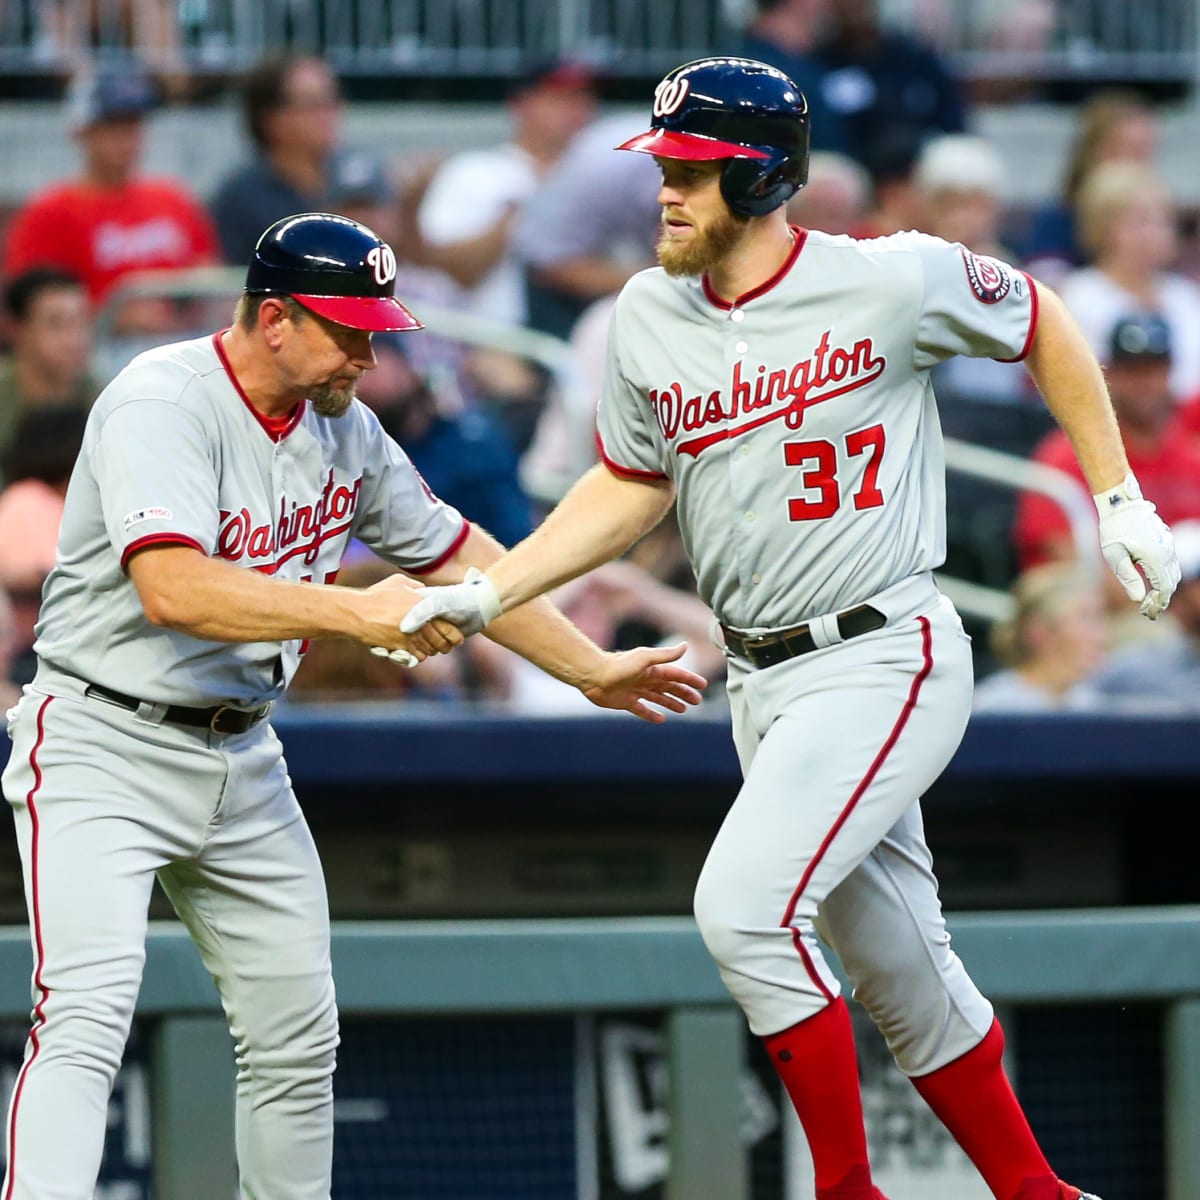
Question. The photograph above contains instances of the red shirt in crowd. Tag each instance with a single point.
(101, 234)
(1169, 475)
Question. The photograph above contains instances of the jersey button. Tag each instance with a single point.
(744, 451)
(741, 347)
(737, 315)
(756, 578)
(750, 516)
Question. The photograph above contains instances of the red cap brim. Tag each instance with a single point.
(378, 314)
(668, 143)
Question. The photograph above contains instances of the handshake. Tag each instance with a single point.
(452, 613)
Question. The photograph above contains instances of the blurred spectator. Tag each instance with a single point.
(563, 445)
(37, 464)
(1127, 225)
(1166, 462)
(293, 113)
(112, 221)
(1050, 647)
(49, 327)
(465, 457)
(467, 211)
(836, 197)
(1165, 672)
(592, 223)
(460, 375)
(891, 162)
(877, 76)
(1114, 126)
(783, 34)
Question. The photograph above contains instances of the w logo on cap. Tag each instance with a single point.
(669, 95)
(383, 261)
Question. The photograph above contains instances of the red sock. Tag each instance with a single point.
(974, 1100)
(819, 1069)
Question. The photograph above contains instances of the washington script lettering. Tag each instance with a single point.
(828, 372)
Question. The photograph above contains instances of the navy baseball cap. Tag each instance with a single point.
(561, 74)
(1140, 337)
(108, 96)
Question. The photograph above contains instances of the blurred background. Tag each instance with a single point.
(145, 144)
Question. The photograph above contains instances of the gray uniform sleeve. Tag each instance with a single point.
(400, 518)
(971, 305)
(626, 433)
(156, 472)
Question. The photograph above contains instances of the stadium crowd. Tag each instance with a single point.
(541, 231)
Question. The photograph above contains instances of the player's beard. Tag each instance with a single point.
(705, 249)
(328, 400)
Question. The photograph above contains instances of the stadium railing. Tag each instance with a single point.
(1084, 39)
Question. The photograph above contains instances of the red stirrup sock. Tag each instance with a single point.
(974, 1100)
(819, 1069)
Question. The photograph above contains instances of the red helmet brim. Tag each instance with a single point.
(669, 143)
(378, 314)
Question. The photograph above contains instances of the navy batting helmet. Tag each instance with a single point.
(336, 267)
(741, 110)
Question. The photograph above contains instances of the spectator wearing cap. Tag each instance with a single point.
(467, 212)
(292, 109)
(1165, 674)
(111, 221)
(1165, 460)
(1128, 227)
(48, 324)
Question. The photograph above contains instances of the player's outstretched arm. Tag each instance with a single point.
(597, 520)
(1135, 542)
(633, 681)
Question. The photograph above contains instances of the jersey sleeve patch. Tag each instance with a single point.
(157, 513)
(990, 279)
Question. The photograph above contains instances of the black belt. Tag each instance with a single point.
(767, 649)
(220, 718)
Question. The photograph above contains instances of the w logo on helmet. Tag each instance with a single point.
(383, 261)
(669, 95)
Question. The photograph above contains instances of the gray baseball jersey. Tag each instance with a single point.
(174, 453)
(798, 422)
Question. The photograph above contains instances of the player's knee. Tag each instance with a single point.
(724, 924)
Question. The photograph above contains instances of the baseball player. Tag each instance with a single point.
(774, 384)
(219, 483)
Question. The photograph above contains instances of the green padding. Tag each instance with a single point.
(660, 962)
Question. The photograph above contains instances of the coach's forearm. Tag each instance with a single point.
(1070, 379)
(595, 522)
(185, 590)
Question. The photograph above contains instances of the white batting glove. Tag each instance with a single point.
(1131, 531)
(470, 605)
(403, 657)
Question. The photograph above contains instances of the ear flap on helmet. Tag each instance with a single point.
(753, 188)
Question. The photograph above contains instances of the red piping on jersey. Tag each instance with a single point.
(617, 469)
(39, 1013)
(800, 237)
(268, 427)
(873, 770)
(449, 552)
(159, 539)
(1033, 320)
